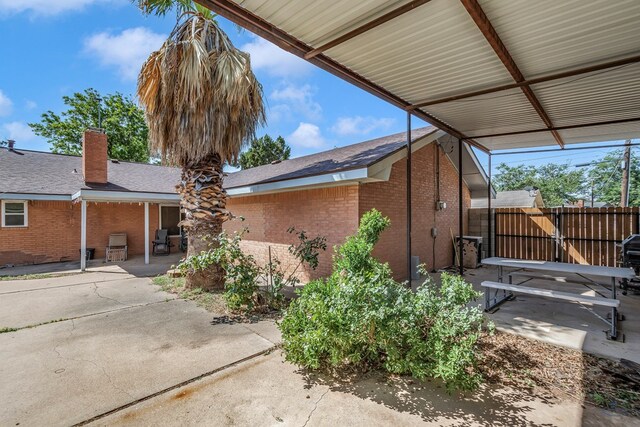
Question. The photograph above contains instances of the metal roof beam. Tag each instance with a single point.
(484, 25)
(557, 128)
(366, 27)
(550, 77)
(240, 16)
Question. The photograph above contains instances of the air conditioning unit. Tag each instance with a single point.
(471, 250)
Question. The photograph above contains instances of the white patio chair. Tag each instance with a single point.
(117, 249)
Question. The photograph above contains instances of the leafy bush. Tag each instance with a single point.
(361, 317)
(244, 274)
(242, 270)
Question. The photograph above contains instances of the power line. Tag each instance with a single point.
(552, 157)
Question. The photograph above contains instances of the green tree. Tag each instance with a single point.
(120, 117)
(203, 104)
(606, 176)
(558, 183)
(263, 151)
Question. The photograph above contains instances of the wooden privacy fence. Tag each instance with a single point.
(576, 235)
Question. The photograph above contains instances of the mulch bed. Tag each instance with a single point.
(550, 371)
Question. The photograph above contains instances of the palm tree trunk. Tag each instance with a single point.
(204, 202)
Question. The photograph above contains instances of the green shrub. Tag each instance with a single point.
(361, 317)
(243, 274)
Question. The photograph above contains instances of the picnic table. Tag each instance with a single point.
(558, 272)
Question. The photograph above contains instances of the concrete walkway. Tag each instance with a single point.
(125, 340)
(564, 323)
(265, 391)
(120, 351)
(134, 265)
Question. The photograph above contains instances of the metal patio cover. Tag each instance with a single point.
(488, 71)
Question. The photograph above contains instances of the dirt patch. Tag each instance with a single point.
(39, 276)
(213, 301)
(550, 372)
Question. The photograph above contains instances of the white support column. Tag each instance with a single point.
(83, 236)
(146, 232)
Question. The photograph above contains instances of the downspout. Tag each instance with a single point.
(489, 230)
(436, 196)
(460, 211)
(409, 198)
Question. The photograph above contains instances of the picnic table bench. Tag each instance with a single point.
(498, 292)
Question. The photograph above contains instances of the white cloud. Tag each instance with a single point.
(297, 99)
(18, 131)
(361, 125)
(30, 105)
(307, 135)
(126, 51)
(273, 60)
(279, 112)
(47, 7)
(6, 106)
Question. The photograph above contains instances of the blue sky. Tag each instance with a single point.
(56, 48)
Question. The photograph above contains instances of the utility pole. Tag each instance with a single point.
(624, 196)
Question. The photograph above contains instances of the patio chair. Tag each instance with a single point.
(184, 243)
(162, 245)
(117, 249)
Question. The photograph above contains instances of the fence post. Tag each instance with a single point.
(557, 222)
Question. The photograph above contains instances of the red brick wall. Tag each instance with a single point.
(53, 232)
(389, 197)
(330, 212)
(94, 156)
(106, 218)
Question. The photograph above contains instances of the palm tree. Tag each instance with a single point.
(202, 103)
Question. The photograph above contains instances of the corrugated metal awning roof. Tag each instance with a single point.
(544, 65)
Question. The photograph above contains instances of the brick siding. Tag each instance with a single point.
(390, 197)
(330, 212)
(53, 231)
(335, 212)
(94, 157)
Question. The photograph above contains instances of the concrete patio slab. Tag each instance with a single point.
(55, 302)
(10, 286)
(268, 391)
(134, 265)
(64, 373)
(564, 323)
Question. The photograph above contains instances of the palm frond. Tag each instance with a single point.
(199, 94)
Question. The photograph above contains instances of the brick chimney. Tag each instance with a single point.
(94, 156)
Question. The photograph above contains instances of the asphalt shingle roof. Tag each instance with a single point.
(35, 172)
(353, 156)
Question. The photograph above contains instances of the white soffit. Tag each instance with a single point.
(547, 36)
(330, 19)
(594, 97)
(436, 50)
(484, 115)
(430, 52)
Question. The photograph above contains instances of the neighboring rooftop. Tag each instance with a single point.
(353, 156)
(36, 172)
(42, 173)
(511, 199)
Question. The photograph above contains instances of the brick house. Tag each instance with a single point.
(47, 197)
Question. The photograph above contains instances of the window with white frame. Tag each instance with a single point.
(170, 216)
(14, 213)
